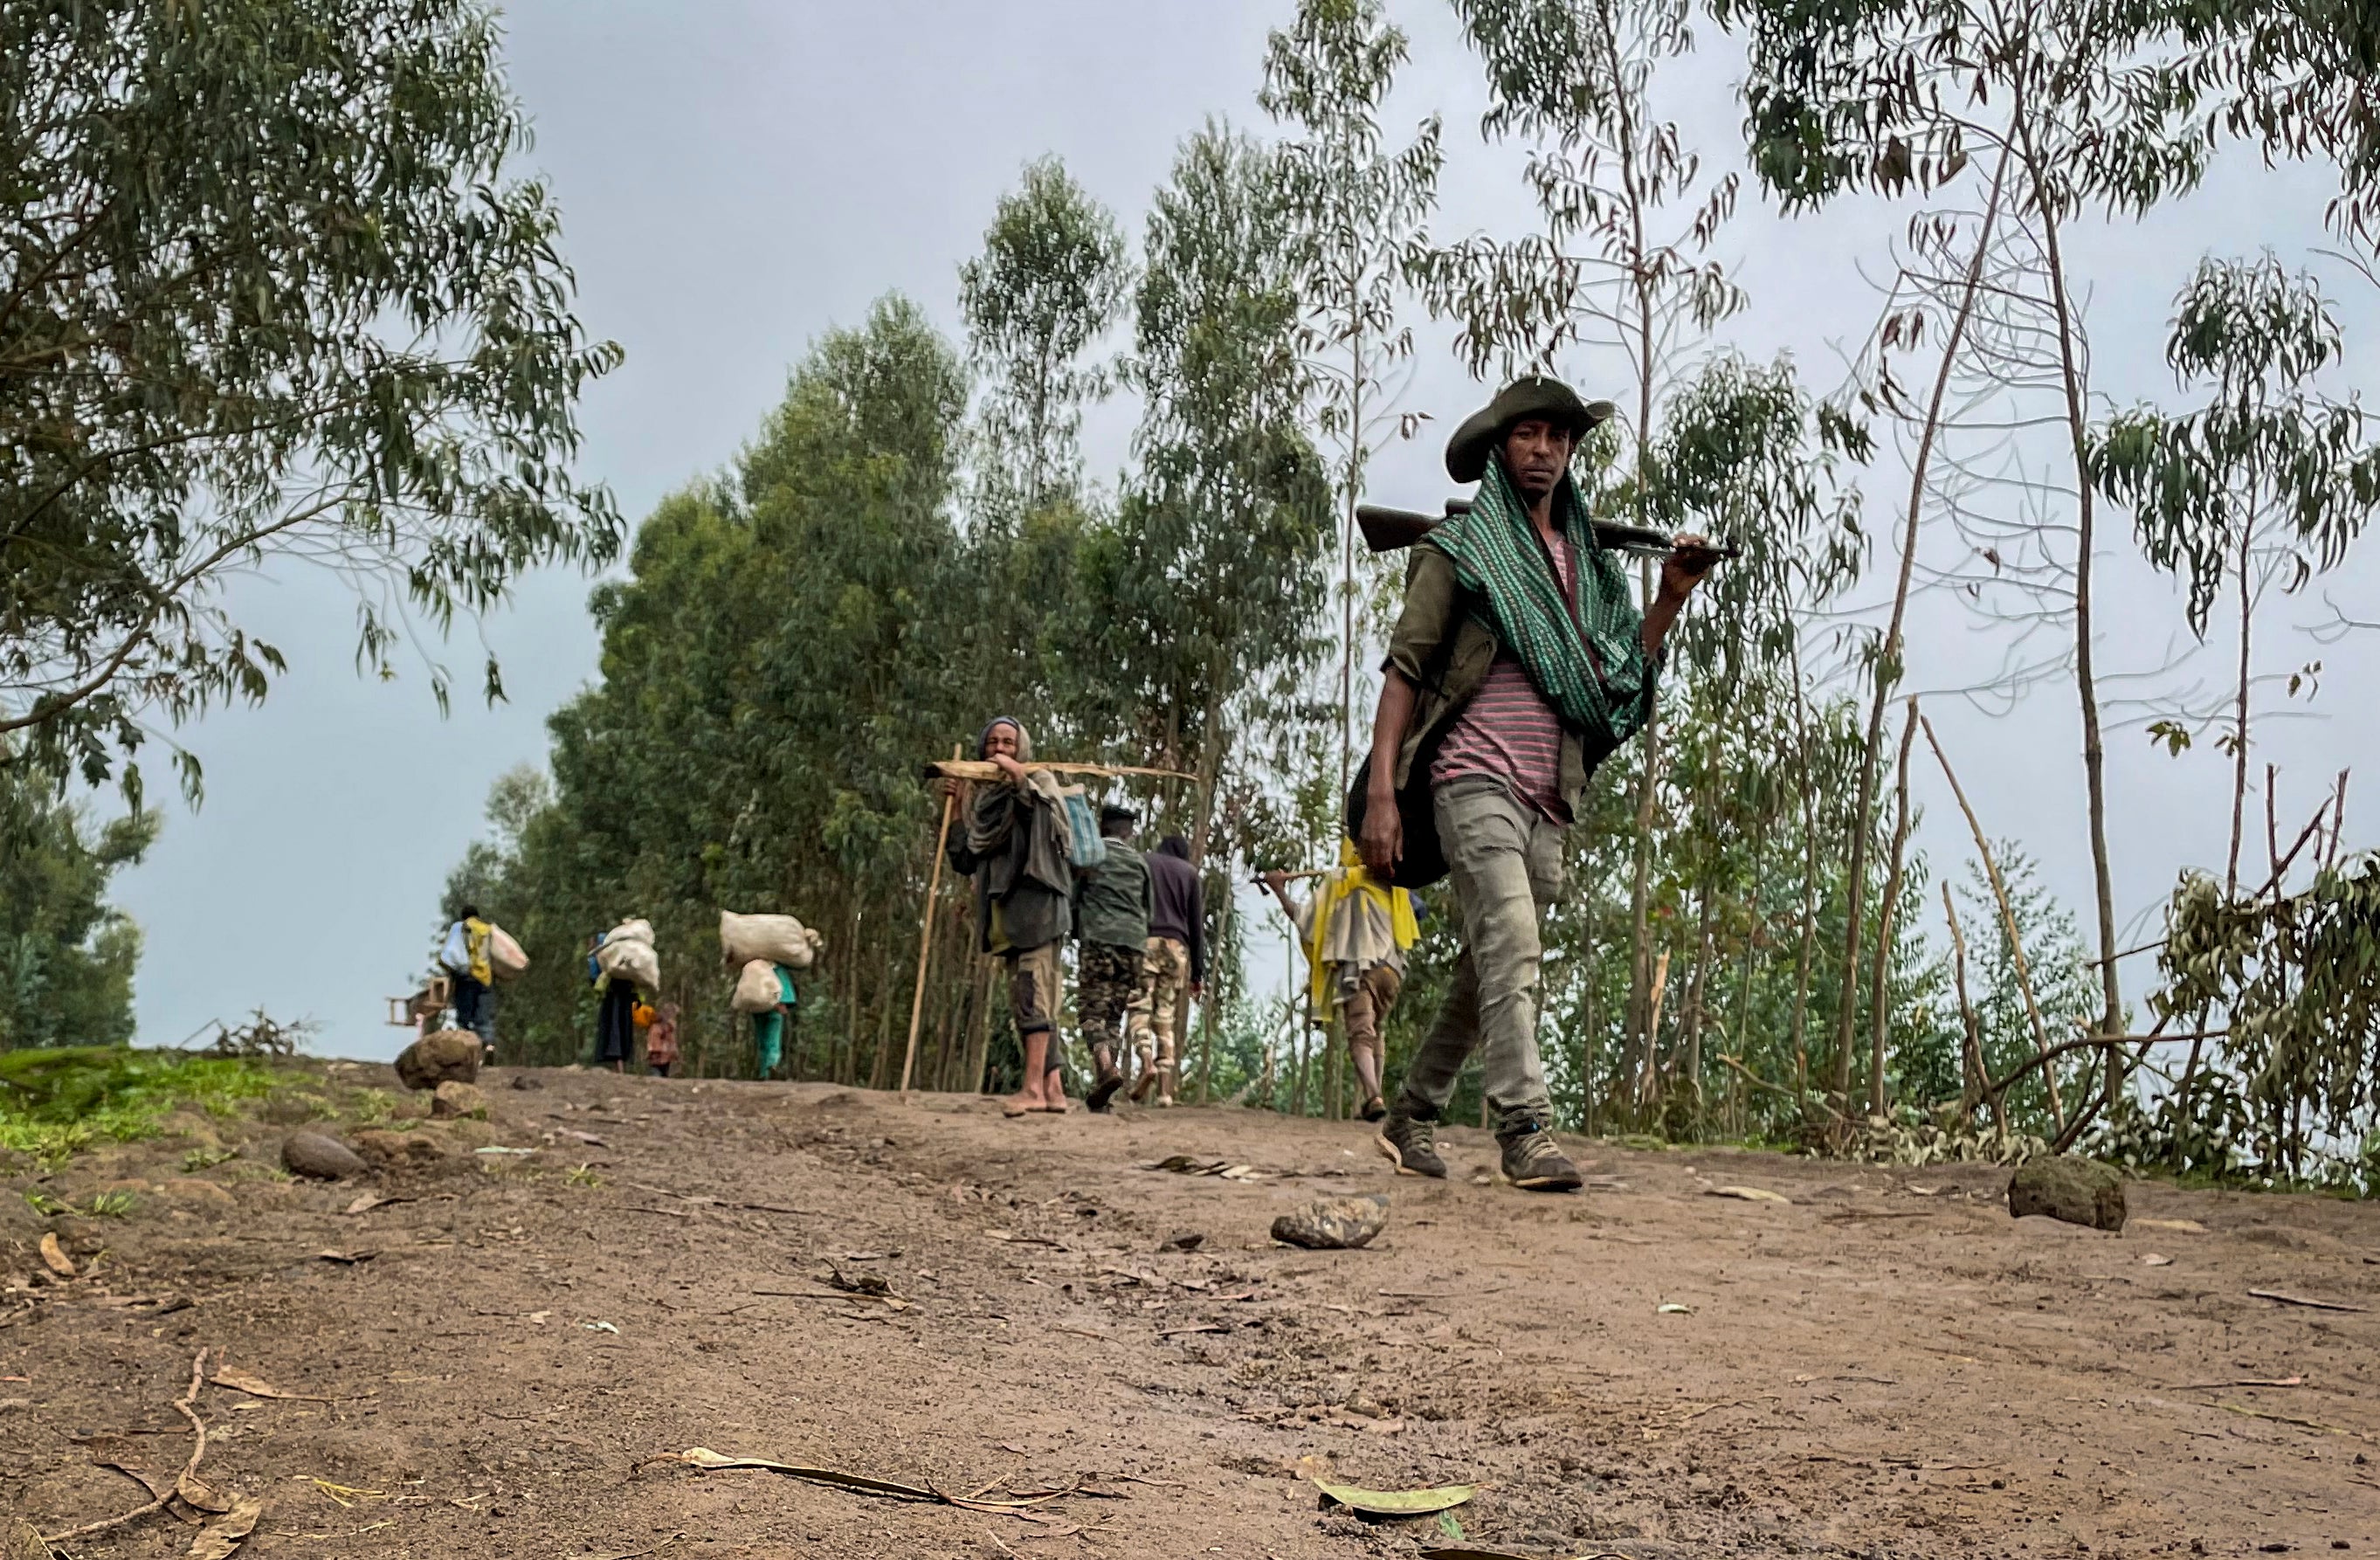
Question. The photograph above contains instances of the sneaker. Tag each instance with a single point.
(1534, 1164)
(1409, 1142)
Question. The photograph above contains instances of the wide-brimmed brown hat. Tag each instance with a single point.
(1533, 395)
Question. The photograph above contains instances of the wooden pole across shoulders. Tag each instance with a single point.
(955, 768)
(926, 928)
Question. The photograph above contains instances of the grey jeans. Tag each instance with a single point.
(1506, 860)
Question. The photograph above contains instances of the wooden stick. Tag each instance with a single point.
(188, 1405)
(984, 769)
(2278, 1299)
(926, 928)
(2007, 920)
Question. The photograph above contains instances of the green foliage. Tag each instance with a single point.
(56, 1102)
(66, 955)
(2266, 453)
(1575, 80)
(1052, 277)
(272, 292)
(2298, 977)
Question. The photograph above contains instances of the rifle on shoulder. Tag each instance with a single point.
(1386, 529)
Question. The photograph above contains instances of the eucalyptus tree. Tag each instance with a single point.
(1217, 565)
(1622, 259)
(1053, 277)
(67, 955)
(270, 292)
(1747, 455)
(2268, 479)
(1355, 207)
(2076, 108)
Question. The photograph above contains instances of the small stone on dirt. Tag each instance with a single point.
(318, 1158)
(449, 1056)
(188, 1191)
(2079, 1191)
(1183, 1240)
(525, 1080)
(400, 1151)
(458, 1102)
(1333, 1224)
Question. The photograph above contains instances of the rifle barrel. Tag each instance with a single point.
(1386, 529)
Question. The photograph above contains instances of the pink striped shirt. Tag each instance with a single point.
(1507, 731)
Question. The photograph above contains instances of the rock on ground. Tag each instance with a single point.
(1333, 1224)
(318, 1158)
(400, 1151)
(450, 1055)
(457, 1101)
(2080, 1191)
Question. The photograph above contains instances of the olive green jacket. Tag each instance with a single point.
(1443, 648)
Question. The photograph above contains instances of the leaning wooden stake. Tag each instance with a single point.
(926, 929)
(2008, 920)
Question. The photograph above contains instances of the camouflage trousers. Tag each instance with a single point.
(1164, 982)
(1106, 975)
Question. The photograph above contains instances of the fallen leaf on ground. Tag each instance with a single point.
(585, 1138)
(1397, 1502)
(710, 1461)
(1243, 1173)
(348, 1259)
(861, 1284)
(601, 1327)
(502, 1150)
(538, 1318)
(1673, 1309)
(2188, 1226)
(2155, 1259)
(1748, 1194)
(240, 1381)
(54, 1257)
(221, 1539)
(1182, 1165)
(199, 1496)
(135, 1472)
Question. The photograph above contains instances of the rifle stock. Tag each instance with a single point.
(1386, 530)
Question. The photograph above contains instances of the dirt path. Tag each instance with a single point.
(1886, 1365)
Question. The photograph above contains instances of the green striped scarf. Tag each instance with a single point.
(1498, 558)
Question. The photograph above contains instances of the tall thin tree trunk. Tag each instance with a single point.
(2071, 372)
(2239, 721)
(1888, 664)
(1801, 963)
(1879, 981)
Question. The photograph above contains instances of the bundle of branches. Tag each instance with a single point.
(2299, 975)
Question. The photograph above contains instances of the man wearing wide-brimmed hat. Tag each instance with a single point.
(1519, 663)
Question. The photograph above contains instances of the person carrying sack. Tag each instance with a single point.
(1355, 932)
(465, 954)
(1015, 848)
(1519, 663)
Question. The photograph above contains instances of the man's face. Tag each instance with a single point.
(1537, 453)
(1001, 743)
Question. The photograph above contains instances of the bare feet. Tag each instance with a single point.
(1025, 1102)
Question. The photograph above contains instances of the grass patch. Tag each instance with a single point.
(54, 1102)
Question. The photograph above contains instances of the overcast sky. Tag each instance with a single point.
(737, 177)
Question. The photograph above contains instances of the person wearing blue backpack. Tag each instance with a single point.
(1016, 849)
